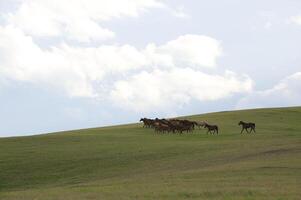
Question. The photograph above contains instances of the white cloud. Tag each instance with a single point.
(165, 89)
(268, 25)
(71, 68)
(193, 50)
(79, 70)
(296, 19)
(286, 92)
(179, 12)
(164, 75)
(53, 18)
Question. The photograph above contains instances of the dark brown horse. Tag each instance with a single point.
(159, 127)
(211, 128)
(181, 125)
(245, 126)
(147, 123)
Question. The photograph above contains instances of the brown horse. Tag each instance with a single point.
(181, 125)
(147, 123)
(245, 126)
(211, 128)
(159, 127)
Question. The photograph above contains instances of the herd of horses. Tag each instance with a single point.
(180, 126)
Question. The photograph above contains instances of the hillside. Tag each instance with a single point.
(131, 162)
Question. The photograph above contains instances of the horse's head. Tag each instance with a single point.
(240, 123)
(142, 119)
(202, 124)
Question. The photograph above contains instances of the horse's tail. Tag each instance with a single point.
(217, 129)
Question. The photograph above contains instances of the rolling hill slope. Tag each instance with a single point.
(130, 162)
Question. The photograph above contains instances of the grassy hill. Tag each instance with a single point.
(130, 162)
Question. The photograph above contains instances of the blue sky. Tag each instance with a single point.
(94, 63)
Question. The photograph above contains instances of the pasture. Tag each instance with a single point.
(131, 162)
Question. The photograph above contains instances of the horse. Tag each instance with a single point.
(188, 128)
(181, 125)
(245, 126)
(188, 123)
(211, 128)
(160, 127)
(148, 123)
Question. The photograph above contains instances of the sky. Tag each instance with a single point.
(96, 63)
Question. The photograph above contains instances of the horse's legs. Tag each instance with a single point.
(247, 130)
(242, 130)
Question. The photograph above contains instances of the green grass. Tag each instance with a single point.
(129, 162)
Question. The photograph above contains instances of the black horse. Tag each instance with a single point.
(245, 126)
(147, 123)
(211, 128)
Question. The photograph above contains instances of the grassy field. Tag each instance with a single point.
(129, 162)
